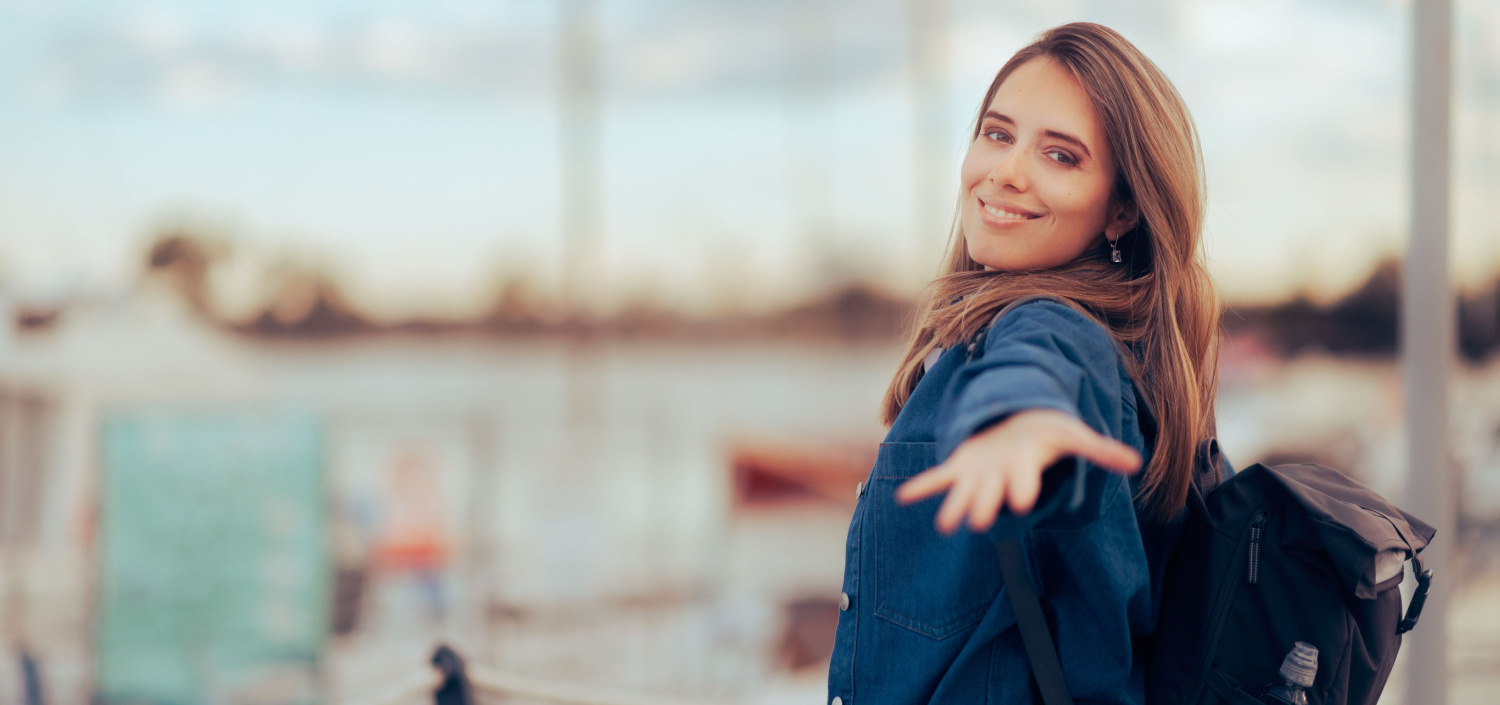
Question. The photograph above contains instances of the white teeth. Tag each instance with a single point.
(1004, 213)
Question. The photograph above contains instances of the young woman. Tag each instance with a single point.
(1070, 423)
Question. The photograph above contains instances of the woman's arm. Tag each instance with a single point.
(1045, 389)
(1003, 465)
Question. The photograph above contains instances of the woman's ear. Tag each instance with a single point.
(1122, 217)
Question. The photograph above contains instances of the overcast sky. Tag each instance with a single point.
(751, 152)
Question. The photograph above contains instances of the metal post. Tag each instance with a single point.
(1428, 341)
(809, 85)
(581, 87)
(581, 103)
(931, 191)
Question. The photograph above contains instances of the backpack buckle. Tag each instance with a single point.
(1418, 598)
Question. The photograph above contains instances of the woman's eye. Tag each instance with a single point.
(997, 135)
(1062, 158)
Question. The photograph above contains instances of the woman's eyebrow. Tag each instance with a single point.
(1054, 134)
(998, 116)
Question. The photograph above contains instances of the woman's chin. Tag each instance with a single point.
(1000, 260)
(1007, 255)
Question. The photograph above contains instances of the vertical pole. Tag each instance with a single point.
(582, 190)
(480, 563)
(12, 611)
(7, 324)
(581, 104)
(1428, 340)
(931, 195)
(580, 75)
(808, 88)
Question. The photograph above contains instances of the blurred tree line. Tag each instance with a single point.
(306, 303)
(1365, 322)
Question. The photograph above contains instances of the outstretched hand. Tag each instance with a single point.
(1003, 464)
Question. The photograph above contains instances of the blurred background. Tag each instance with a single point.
(555, 329)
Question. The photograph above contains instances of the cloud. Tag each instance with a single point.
(159, 33)
(164, 58)
(198, 85)
(662, 49)
(401, 50)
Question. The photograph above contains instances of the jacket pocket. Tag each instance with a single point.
(931, 584)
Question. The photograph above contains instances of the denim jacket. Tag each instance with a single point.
(924, 616)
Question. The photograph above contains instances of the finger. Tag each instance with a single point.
(951, 514)
(925, 485)
(986, 505)
(1023, 488)
(1104, 451)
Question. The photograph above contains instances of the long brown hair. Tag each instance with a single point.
(1160, 300)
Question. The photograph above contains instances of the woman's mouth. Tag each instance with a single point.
(1005, 214)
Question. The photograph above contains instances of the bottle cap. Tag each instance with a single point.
(1301, 665)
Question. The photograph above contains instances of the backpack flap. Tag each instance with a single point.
(1363, 534)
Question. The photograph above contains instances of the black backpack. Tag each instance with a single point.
(1268, 557)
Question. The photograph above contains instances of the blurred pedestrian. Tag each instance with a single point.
(31, 676)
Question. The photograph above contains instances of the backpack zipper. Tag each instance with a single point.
(1257, 530)
(1227, 588)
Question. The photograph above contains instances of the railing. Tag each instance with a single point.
(452, 682)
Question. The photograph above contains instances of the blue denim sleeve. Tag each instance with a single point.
(1042, 355)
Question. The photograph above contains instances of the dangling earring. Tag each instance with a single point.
(1114, 251)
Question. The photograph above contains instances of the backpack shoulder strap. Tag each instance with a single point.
(1210, 467)
(1035, 634)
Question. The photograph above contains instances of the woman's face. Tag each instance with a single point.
(1037, 180)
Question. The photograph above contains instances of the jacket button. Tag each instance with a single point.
(836, 701)
(859, 489)
(843, 602)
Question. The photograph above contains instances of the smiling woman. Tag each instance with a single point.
(1035, 194)
(1082, 186)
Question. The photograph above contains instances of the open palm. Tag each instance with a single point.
(1003, 464)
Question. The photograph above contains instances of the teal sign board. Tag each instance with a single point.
(214, 560)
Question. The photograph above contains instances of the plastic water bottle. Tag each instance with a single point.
(1297, 673)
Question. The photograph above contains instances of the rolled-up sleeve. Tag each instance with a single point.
(1043, 355)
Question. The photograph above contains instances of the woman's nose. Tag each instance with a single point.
(1010, 170)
